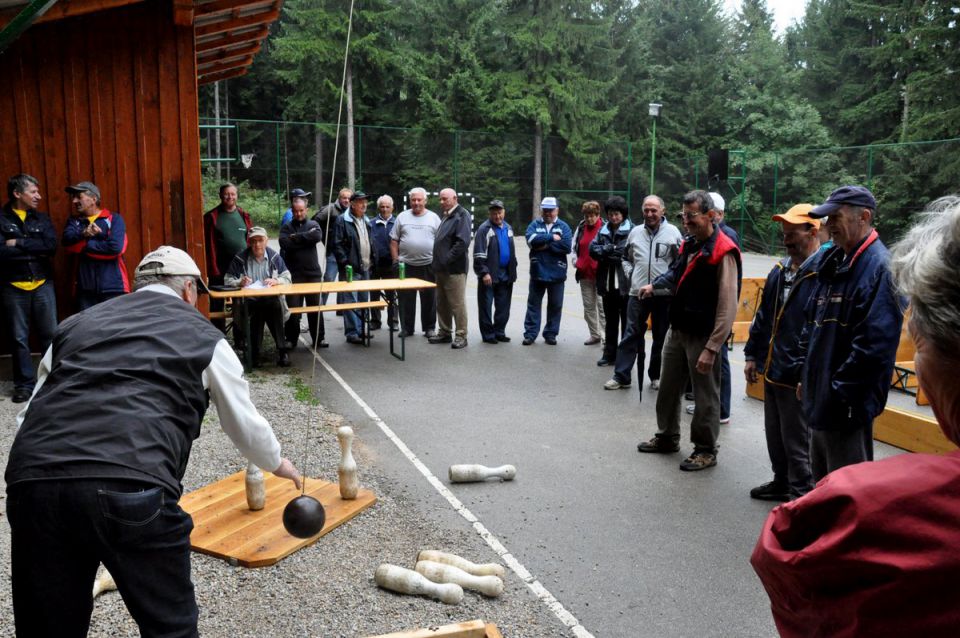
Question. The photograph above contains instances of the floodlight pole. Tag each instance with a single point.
(654, 113)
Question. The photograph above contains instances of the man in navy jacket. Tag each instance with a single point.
(495, 262)
(549, 239)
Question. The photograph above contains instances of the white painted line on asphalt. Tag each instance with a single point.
(516, 566)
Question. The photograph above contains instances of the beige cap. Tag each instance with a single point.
(257, 231)
(799, 214)
(167, 260)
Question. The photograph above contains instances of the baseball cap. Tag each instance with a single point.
(299, 192)
(496, 203)
(257, 231)
(549, 203)
(83, 187)
(358, 195)
(845, 195)
(718, 203)
(170, 261)
(799, 214)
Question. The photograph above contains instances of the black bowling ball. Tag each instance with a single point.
(303, 517)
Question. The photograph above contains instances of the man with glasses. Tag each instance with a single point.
(703, 281)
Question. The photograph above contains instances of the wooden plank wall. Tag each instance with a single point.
(109, 97)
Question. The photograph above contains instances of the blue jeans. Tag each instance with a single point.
(330, 272)
(493, 307)
(35, 309)
(353, 319)
(62, 530)
(531, 323)
(88, 299)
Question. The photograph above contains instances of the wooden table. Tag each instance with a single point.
(319, 287)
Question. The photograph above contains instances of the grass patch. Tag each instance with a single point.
(302, 392)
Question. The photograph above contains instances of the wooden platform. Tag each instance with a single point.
(223, 525)
(470, 629)
(911, 431)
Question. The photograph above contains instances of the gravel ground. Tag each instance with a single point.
(326, 590)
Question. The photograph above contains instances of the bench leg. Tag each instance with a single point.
(399, 329)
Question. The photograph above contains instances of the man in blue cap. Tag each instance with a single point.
(851, 334)
(549, 239)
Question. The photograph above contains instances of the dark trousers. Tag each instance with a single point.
(725, 388)
(632, 347)
(494, 298)
(615, 312)
(36, 309)
(88, 299)
(788, 438)
(292, 327)
(383, 271)
(830, 450)
(217, 305)
(428, 301)
(62, 530)
(260, 311)
(531, 323)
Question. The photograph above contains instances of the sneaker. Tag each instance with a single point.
(613, 384)
(655, 384)
(355, 340)
(772, 491)
(527, 341)
(430, 334)
(592, 341)
(698, 461)
(440, 339)
(461, 342)
(724, 420)
(656, 445)
(691, 409)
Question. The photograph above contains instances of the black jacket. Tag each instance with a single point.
(451, 242)
(608, 250)
(29, 259)
(486, 253)
(298, 247)
(346, 244)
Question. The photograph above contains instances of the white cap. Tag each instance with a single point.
(549, 203)
(167, 260)
(718, 203)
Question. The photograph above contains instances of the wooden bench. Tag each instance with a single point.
(380, 304)
(911, 431)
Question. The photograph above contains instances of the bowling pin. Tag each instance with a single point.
(103, 583)
(484, 569)
(347, 470)
(256, 492)
(407, 581)
(474, 473)
(441, 573)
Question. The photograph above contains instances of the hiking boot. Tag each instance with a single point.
(772, 491)
(656, 445)
(698, 461)
(613, 384)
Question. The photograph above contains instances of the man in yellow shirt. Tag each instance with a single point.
(26, 278)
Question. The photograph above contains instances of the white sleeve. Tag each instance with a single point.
(42, 371)
(239, 418)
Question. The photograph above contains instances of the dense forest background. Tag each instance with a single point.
(521, 98)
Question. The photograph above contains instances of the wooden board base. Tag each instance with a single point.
(223, 525)
(911, 431)
(469, 629)
(755, 390)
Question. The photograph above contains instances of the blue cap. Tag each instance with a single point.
(845, 196)
(299, 192)
(549, 203)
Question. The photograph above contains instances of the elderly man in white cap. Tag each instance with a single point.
(549, 239)
(95, 470)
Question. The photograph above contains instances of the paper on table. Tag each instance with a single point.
(257, 285)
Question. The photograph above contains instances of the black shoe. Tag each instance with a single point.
(430, 334)
(656, 445)
(550, 341)
(322, 344)
(283, 360)
(492, 340)
(527, 341)
(355, 340)
(503, 338)
(440, 339)
(375, 325)
(604, 362)
(772, 491)
(459, 342)
(21, 396)
(408, 333)
(688, 396)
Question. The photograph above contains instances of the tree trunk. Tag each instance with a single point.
(351, 152)
(905, 118)
(537, 169)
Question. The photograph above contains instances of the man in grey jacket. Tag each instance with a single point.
(650, 250)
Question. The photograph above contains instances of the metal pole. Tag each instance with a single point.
(629, 172)
(456, 160)
(360, 158)
(279, 204)
(776, 175)
(653, 153)
(743, 191)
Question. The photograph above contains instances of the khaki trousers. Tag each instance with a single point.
(592, 308)
(451, 304)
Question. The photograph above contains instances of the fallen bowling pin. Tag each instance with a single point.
(407, 581)
(442, 573)
(474, 473)
(103, 583)
(477, 569)
(256, 492)
(347, 469)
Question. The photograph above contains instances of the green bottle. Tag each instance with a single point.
(402, 270)
(349, 273)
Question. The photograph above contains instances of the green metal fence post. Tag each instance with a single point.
(279, 204)
(776, 175)
(743, 192)
(359, 158)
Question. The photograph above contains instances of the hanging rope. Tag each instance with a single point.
(326, 235)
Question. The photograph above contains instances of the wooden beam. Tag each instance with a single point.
(911, 431)
(183, 13)
(218, 66)
(228, 54)
(469, 629)
(66, 9)
(225, 75)
(225, 26)
(226, 6)
(231, 40)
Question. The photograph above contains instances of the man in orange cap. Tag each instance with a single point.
(773, 350)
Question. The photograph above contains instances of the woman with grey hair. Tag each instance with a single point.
(872, 550)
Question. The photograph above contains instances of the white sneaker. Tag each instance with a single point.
(613, 384)
(655, 384)
(724, 420)
(691, 408)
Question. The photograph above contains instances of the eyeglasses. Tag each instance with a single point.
(687, 216)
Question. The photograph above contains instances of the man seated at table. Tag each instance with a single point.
(260, 266)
